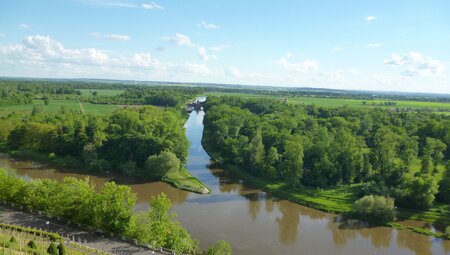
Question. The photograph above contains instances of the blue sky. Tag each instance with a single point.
(364, 44)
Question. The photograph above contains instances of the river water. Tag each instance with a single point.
(253, 221)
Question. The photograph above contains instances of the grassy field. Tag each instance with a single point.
(55, 106)
(101, 92)
(184, 180)
(336, 102)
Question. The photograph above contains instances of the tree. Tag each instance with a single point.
(434, 149)
(292, 164)
(220, 248)
(257, 152)
(418, 191)
(444, 185)
(113, 208)
(160, 165)
(46, 100)
(379, 207)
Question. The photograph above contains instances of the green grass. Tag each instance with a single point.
(184, 180)
(101, 92)
(55, 106)
(337, 102)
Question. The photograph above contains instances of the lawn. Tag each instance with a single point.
(101, 92)
(184, 180)
(55, 106)
(336, 102)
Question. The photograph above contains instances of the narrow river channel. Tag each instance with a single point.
(253, 221)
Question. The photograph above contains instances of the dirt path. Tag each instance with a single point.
(86, 238)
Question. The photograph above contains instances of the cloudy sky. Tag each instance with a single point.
(360, 44)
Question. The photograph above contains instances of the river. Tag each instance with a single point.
(253, 221)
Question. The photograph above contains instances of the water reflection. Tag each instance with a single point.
(288, 223)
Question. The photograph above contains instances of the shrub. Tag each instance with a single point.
(31, 244)
(13, 240)
(379, 207)
(52, 250)
(61, 249)
(219, 248)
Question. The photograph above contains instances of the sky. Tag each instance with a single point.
(349, 44)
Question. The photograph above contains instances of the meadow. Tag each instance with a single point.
(55, 106)
(337, 102)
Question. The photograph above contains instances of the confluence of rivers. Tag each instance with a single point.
(253, 221)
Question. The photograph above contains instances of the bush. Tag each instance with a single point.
(219, 248)
(447, 232)
(52, 250)
(31, 244)
(61, 249)
(379, 207)
(13, 240)
(161, 164)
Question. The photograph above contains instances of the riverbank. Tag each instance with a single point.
(338, 200)
(182, 180)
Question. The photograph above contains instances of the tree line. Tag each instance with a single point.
(393, 154)
(136, 142)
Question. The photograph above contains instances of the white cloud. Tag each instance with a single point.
(204, 54)
(369, 19)
(337, 48)
(115, 37)
(111, 37)
(180, 39)
(304, 66)
(2, 35)
(416, 64)
(209, 26)
(374, 45)
(41, 56)
(152, 6)
(219, 47)
(24, 26)
(232, 71)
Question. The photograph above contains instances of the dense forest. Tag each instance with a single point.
(121, 142)
(390, 153)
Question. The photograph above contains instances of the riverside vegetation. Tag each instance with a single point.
(328, 158)
(109, 208)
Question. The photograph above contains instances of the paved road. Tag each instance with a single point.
(96, 241)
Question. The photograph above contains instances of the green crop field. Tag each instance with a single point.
(336, 102)
(55, 105)
(101, 92)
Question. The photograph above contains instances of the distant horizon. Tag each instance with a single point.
(352, 45)
(118, 81)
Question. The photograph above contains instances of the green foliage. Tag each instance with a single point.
(444, 185)
(219, 248)
(110, 208)
(162, 164)
(418, 191)
(13, 240)
(61, 249)
(379, 207)
(52, 249)
(31, 244)
(324, 147)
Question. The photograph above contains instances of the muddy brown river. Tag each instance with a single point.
(253, 221)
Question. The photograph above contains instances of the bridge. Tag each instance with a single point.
(196, 105)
